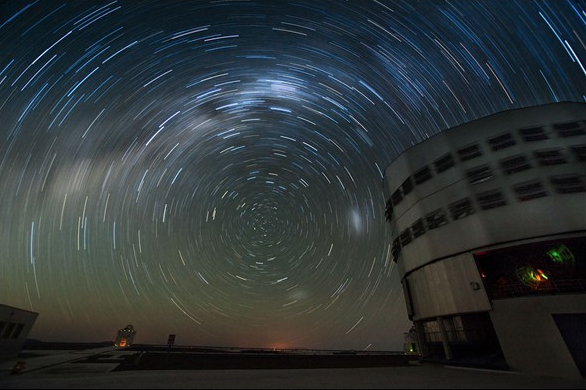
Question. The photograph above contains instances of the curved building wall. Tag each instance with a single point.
(473, 205)
(15, 325)
(510, 176)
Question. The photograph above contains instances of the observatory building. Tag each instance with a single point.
(15, 325)
(125, 337)
(488, 224)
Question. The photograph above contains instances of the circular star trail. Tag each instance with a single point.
(214, 169)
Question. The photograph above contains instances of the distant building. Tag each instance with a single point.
(489, 234)
(15, 325)
(125, 337)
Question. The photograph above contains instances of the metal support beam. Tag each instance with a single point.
(421, 343)
(444, 337)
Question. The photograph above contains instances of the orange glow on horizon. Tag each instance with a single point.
(276, 346)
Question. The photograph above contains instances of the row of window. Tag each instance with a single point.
(475, 175)
(528, 190)
(529, 134)
(506, 140)
(10, 330)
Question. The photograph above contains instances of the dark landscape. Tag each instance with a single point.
(243, 361)
(60, 365)
(160, 357)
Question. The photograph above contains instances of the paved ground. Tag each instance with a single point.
(68, 370)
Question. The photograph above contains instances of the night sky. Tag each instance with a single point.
(214, 169)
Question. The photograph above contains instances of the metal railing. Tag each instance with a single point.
(549, 287)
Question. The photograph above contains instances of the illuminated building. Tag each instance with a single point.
(15, 325)
(488, 224)
(125, 337)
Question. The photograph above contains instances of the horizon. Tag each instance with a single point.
(29, 342)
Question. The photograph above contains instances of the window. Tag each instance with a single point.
(515, 164)
(579, 152)
(491, 199)
(479, 174)
(397, 197)
(407, 186)
(444, 163)
(422, 175)
(8, 330)
(533, 134)
(461, 209)
(501, 141)
(567, 184)
(389, 210)
(546, 267)
(405, 237)
(436, 219)
(469, 152)
(431, 332)
(570, 129)
(454, 329)
(529, 190)
(550, 157)
(396, 248)
(418, 228)
(18, 331)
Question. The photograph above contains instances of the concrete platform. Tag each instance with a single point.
(69, 370)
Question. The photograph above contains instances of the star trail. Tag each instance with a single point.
(213, 169)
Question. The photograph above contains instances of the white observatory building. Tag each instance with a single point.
(488, 223)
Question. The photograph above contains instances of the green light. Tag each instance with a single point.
(531, 277)
(561, 255)
(555, 256)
